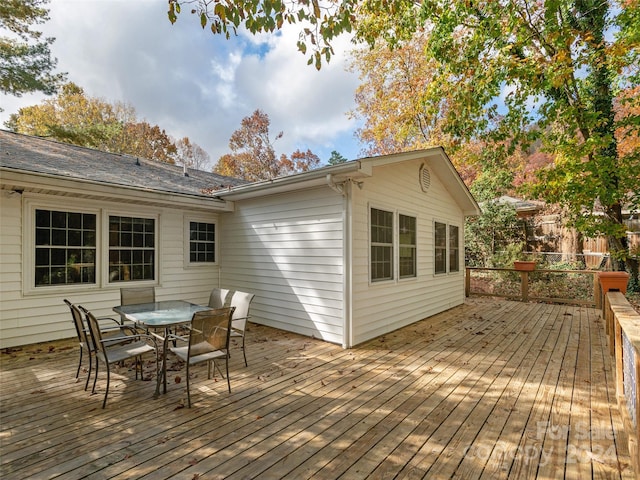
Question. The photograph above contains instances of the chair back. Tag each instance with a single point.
(241, 301)
(134, 295)
(220, 297)
(78, 323)
(210, 331)
(96, 335)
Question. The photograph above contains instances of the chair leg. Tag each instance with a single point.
(95, 379)
(80, 364)
(244, 352)
(226, 361)
(188, 389)
(106, 392)
(86, 385)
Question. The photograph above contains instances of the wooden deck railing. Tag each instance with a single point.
(623, 328)
(525, 278)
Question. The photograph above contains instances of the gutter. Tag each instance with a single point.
(296, 181)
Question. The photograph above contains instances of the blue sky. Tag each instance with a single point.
(195, 84)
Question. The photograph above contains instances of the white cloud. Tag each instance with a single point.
(195, 84)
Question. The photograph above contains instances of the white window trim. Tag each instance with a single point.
(447, 252)
(395, 252)
(417, 245)
(104, 253)
(30, 205)
(187, 241)
(394, 243)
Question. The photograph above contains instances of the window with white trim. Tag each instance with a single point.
(65, 248)
(407, 246)
(446, 244)
(440, 247)
(202, 242)
(132, 248)
(454, 249)
(381, 245)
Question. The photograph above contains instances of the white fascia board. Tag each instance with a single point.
(354, 170)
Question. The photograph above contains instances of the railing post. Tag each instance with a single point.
(467, 282)
(524, 286)
(597, 292)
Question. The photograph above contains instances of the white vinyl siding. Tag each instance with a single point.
(30, 315)
(288, 251)
(379, 308)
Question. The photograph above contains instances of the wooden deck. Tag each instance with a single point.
(491, 389)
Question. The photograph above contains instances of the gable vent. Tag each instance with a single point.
(425, 178)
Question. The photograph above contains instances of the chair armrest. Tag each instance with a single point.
(171, 336)
(108, 319)
(128, 338)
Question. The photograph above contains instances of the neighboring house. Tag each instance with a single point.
(344, 253)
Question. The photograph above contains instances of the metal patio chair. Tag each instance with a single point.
(208, 341)
(221, 297)
(84, 337)
(108, 351)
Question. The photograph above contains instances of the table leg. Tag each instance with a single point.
(164, 359)
(162, 375)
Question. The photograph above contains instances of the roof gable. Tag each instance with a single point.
(359, 170)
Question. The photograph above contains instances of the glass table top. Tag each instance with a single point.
(160, 314)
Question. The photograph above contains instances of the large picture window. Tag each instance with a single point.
(65, 248)
(202, 242)
(381, 245)
(131, 249)
(407, 250)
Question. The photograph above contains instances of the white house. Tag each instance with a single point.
(343, 253)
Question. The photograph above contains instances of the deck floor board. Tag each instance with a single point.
(490, 389)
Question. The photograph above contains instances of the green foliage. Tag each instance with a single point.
(320, 22)
(336, 158)
(73, 117)
(495, 238)
(26, 64)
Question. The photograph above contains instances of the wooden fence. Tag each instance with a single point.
(623, 329)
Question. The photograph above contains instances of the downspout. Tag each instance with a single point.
(344, 189)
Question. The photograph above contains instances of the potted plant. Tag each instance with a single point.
(614, 281)
(524, 265)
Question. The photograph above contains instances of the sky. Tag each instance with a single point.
(193, 83)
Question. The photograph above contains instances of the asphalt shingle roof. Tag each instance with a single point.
(40, 155)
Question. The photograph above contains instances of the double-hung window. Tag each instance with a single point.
(202, 242)
(381, 245)
(446, 248)
(393, 242)
(407, 247)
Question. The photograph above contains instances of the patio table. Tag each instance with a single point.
(163, 315)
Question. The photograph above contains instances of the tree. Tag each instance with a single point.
(26, 64)
(253, 154)
(322, 22)
(516, 72)
(74, 117)
(336, 158)
(495, 238)
(191, 155)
